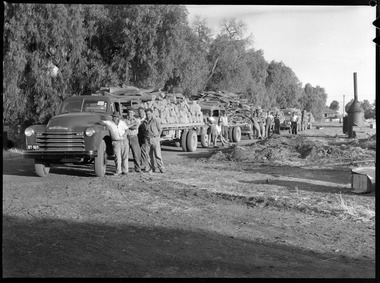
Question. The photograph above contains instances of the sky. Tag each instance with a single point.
(323, 45)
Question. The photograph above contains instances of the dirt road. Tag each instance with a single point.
(199, 219)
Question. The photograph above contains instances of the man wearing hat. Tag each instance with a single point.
(277, 122)
(133, 124)
(151, 148)
(142, 117)
(118, 129)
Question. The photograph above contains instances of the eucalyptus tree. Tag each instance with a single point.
(226, 57)
(256, 90)
(314, 100)
(42, 59)
(283, 85)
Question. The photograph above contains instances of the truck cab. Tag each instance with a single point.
(74, 134)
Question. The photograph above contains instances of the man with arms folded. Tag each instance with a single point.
(151, 127)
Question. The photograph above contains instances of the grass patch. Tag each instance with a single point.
(12, 153)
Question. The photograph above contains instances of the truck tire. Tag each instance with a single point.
(184, 140)
(204, 139)
(42, 168)
(230, 134)
(192, 141)
(236, 134)
(101, 160)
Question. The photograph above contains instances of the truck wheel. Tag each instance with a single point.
(184, 140)
(230, 134)
(192, 141)
(236, 134)
(101, 160)
(42, 168)
(204, 140)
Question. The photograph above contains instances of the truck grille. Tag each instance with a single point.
(60, 141)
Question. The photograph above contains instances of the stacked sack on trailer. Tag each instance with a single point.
(169, 108)
(175, 109)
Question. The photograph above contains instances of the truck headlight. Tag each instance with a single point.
(89, 132)
(29, 132)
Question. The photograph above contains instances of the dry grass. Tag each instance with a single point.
(354, 210)
(234, 181)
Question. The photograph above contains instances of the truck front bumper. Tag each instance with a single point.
(57, 155)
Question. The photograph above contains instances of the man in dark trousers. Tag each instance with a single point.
(133, 124)
(294, 123)
(151, 147)
(277, 122)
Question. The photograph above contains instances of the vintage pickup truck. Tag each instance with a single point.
(74, 135)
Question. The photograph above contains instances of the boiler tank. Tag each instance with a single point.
(355, 114)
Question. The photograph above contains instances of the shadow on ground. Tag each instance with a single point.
(56, 248)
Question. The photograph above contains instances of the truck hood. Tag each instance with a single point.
(74, 121)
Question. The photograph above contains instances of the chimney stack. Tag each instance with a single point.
(355, 88)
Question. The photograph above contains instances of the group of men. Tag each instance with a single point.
(218, 130)
(139, 134)
(263, 120)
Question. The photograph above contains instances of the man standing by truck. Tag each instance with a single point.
(294, 123)
(118, 129)
(133, 123)
(268, 124)
(224, 124)
(277, 122)
(303, 120)
(151, 147)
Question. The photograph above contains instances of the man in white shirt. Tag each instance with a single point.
(118, 129)
(294, 122)
(224, 124)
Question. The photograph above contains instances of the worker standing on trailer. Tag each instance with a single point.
(173, 84)
(152, 132)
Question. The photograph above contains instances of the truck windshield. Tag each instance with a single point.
(88, 105)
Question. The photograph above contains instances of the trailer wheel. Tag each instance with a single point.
(42, 168)
(236, 134)
(192, 141)
(204, 140)
(184, 140)
(101, 160)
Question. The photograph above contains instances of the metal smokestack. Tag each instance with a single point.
(355, 88)
(355, 113)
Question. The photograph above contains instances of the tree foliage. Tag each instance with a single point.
(52, 51)
(334, 105)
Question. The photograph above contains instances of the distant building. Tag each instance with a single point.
(330, 115)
